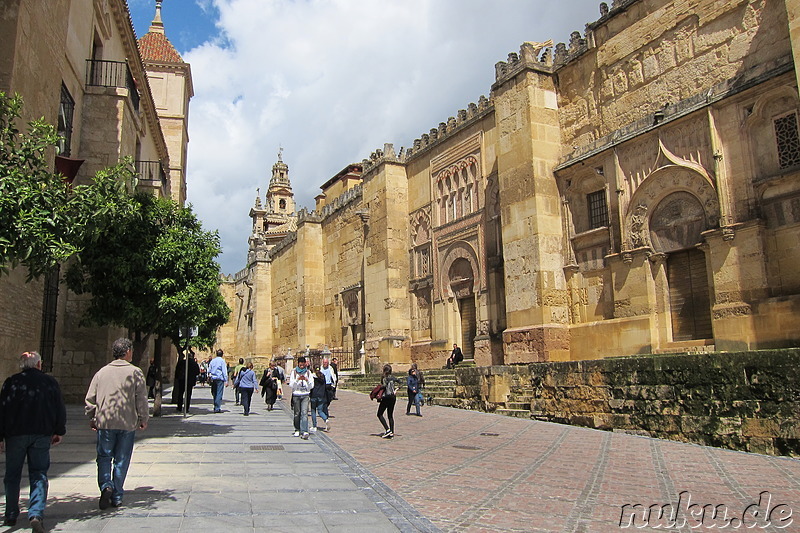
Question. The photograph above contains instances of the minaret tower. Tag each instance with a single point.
(273, 221)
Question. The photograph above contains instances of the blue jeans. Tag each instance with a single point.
(300, 408)
(318, 409)
(113, 445)
(217, 387)
(37, 449)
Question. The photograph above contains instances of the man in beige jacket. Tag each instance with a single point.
(117, 405)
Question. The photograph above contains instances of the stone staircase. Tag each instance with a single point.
(439, 385)
(518, 403)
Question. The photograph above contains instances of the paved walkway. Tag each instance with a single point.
(450, 470)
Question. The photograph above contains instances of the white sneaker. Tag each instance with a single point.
(304, 436)
(327, 426)
(312, 429)
(296, 434)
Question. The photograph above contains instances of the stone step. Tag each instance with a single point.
(445, 402)
(518, 413)
(518, 406)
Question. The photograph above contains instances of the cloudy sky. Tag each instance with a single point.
(330, 81)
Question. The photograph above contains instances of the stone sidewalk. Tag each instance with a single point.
(219, 473)
(451, 470)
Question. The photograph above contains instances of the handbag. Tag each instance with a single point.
(377, 393)
(418, 399)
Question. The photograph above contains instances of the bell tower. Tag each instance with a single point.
(280, 198)
(273, 221)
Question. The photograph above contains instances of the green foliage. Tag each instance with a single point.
(153, 271)
(36, 227)
(146, 262)
(43, 221)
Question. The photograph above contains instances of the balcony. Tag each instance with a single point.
(112, 74)
(151, 175)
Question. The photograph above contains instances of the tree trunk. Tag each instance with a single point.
(139, 347)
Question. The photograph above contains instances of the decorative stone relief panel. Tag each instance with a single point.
(421, 236)
(460, 271)
(690, 141)
(689, 196)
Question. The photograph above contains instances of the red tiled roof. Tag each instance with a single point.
(156, 47)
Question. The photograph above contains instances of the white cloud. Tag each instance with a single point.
(331, 80)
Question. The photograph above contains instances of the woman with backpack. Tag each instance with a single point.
(389, 383)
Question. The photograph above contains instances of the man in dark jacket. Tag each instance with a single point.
(32, 417)
(455, 357)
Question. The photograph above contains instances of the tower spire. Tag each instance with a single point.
(157, 25)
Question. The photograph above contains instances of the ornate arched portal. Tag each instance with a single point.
(462, 281)
(668, 214)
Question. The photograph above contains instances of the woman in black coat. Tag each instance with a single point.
(269, 385)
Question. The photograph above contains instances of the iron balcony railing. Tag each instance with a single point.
(112, 74)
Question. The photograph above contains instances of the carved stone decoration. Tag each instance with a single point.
(460, 271)
(351, 306)
(698, 206)
(677, 222)
(461, 278)
(638, 227)
(421, 227)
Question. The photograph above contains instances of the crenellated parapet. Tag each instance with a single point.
(382, 156)
(341, 201)
(463, 118)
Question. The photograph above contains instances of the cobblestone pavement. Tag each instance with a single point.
(471, 471)
(451, 470)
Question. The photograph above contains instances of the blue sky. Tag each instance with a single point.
(330, 81)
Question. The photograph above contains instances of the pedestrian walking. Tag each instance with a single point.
(152, 375)
(330, 384)
(281, 380)
(180, 381)
(203, 376)
(420, 383)
(234, 375)
(218, 374)
(335, 367)
(386, 405)
(412, 385)
(301, 381)
(116, 404)
(246, 384)
(32, 418)
(319, 399)
(269, 385)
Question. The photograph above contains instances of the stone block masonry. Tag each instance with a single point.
(747, 401)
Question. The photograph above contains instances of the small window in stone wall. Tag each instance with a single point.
(788, 140)
(598, 210)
